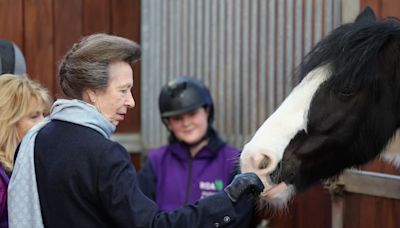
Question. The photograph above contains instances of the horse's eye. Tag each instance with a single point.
(345, 93)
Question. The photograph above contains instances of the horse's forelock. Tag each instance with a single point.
(364, 40)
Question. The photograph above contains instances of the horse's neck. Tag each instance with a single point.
(391, 152)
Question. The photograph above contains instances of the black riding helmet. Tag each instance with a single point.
(11, 58)
(184, 94)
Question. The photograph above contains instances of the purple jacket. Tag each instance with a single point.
(4, 179)
(172, 178)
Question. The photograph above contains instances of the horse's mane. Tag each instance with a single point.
(354, 53)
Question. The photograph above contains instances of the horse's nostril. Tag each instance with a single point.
(264, 163)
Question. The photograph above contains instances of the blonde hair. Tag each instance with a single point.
(17, 93)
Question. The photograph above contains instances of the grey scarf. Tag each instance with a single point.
(23, 199)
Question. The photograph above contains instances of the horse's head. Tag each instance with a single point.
(343, 112)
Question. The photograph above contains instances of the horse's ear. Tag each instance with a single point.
(367, 15)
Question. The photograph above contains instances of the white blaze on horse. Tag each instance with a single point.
(344, 112)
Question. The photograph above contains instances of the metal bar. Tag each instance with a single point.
(244, 77)
(338, 204)
(253, 57)
(262, 66)
(290, 37)
(370, 183)
(271, 56)
(230, 103)
(220, 81)
(280, 48)
(237, 69)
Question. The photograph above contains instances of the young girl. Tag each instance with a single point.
(196, 163)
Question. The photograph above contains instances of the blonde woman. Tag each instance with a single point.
(23, 103)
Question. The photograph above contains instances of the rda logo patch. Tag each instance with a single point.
(209, 188)
(217, 185)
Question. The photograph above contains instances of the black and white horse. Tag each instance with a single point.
(344, 112)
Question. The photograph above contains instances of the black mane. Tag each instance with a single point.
(354, 53)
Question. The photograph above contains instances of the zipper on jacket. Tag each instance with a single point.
(188, 180)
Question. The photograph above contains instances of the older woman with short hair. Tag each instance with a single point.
(83, 179)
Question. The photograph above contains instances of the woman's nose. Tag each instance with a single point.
(185, 119)
(130, 101)
(40, 118)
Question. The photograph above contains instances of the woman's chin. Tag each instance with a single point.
(190, 140)
(114, 121)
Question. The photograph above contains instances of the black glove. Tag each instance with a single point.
(244, 183)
